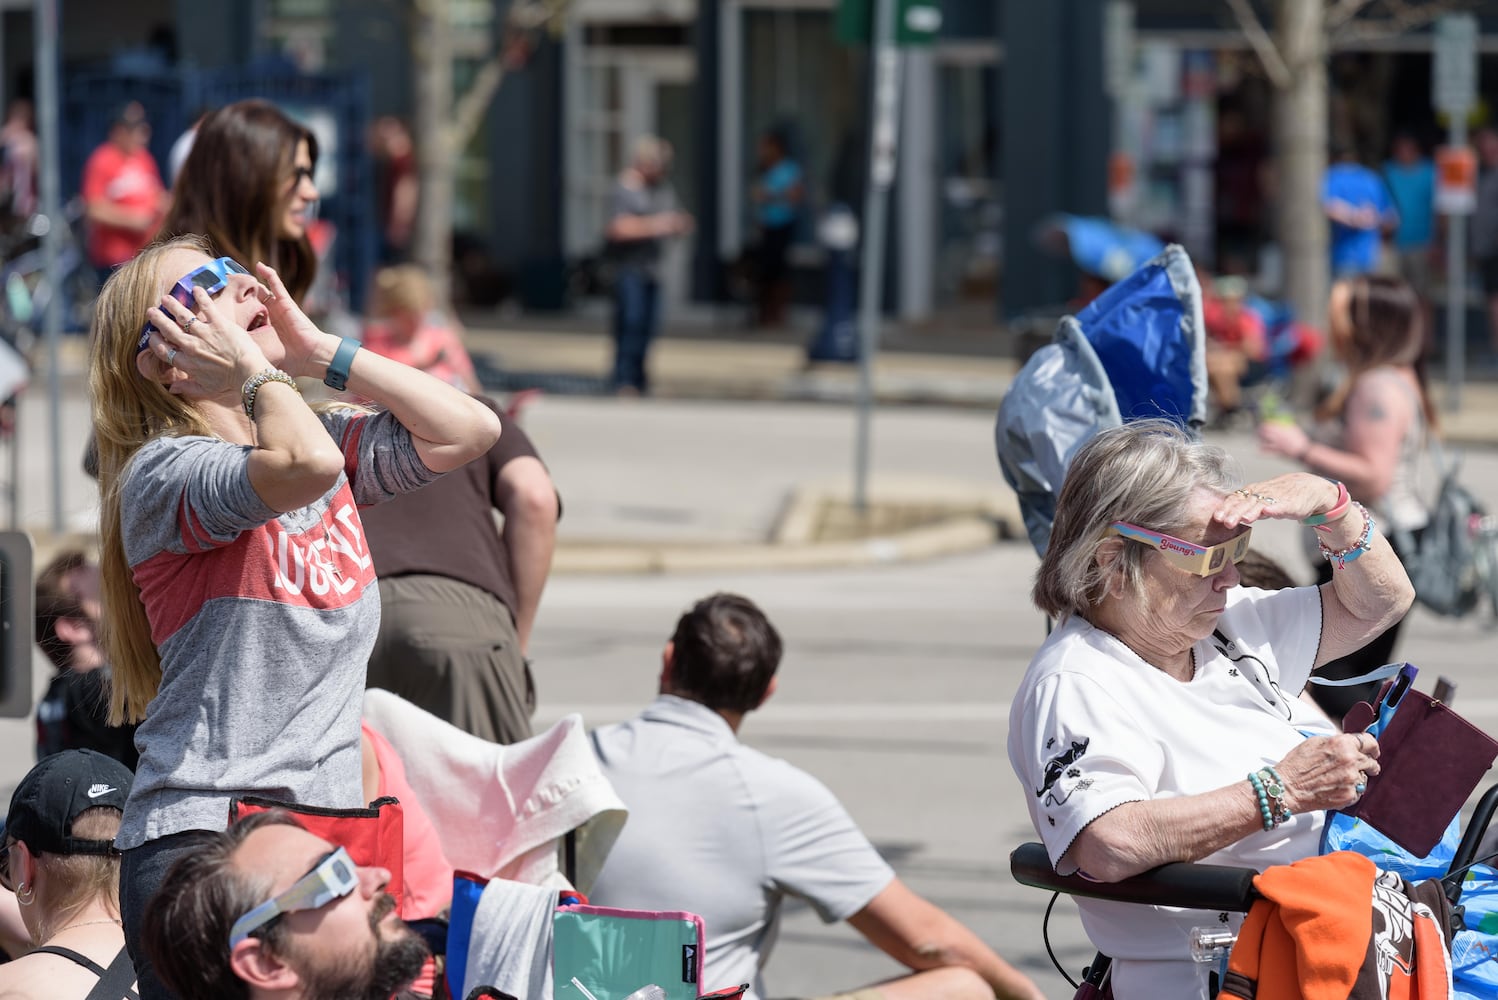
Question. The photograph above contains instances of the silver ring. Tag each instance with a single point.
(1360, 788)
(171, 356)
(187, 327)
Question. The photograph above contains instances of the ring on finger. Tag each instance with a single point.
(1362, 785)
(171, 356)
(187, 326)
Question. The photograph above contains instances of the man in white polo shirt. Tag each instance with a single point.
(723, 831)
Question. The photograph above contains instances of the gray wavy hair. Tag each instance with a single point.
(1144, 472)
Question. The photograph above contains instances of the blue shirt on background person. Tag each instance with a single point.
(779, 209)
(1352, 186)
(1413, 186)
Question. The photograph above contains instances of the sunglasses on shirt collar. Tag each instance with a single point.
(1198, 560)
(211, 277)
(334, 877)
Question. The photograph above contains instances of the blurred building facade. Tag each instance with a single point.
(1013, 112)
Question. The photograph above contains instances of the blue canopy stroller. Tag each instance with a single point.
(1138, 350)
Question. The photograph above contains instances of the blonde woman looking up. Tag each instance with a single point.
(239, 597)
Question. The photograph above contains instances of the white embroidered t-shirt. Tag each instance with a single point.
(1093, 726)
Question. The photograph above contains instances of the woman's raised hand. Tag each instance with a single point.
(1292, 496)
(1328, 772)
(204, 354)
(1280, 438)
(299, 335)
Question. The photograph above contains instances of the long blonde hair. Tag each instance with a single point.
(129, 410)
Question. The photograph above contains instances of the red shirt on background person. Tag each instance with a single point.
(123, 196)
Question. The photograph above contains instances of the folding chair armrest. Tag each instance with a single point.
(1195, 886)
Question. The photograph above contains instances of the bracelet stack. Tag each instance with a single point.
(252, 387)
(1339, 510)
(1341, 558)
(1269, 789)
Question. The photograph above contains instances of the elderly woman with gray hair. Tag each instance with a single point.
(1160, 720)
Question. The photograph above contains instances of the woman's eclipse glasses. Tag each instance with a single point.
(1198, 560)
(211, 278)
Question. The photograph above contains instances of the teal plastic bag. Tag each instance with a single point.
(602, 953)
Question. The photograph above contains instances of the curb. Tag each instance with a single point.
(979, 519)
(953, 537)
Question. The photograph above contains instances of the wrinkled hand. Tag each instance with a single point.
(1283, 438)
(1292, 496)
(1324, 771)
(202, 353)
(298, 334)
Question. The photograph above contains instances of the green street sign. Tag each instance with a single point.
(917, 22)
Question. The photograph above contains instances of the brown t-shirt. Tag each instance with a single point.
(447, 528)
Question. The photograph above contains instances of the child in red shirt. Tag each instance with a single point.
(405, 326)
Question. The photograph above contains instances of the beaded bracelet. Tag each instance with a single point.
(252, 386)
(1339, 510)
(1357, 548)
(1266, 814)
(1274, 787)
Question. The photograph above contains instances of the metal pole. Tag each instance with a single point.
(49, 122)
(885, 137)
(1456, 284)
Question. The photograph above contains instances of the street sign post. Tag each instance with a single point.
(884, 25)
(49, 123)
(1454, 90)
(916, 22)
(882, 152)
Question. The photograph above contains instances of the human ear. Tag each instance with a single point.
(260, 968)
(1109, 561)
(152, 368)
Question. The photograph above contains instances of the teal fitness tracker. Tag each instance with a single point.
(337, 377)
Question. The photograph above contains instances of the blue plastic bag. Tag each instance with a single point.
(1474, 951)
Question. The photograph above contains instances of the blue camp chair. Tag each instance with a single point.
(1137, 351)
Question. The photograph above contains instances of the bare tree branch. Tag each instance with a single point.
(1342, 11)
(524, 19)
(1263, 45)
(1402, 17)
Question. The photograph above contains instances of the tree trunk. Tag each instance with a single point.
(1300, 113)
(432, 133)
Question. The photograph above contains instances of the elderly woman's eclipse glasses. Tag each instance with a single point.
(1199, 560)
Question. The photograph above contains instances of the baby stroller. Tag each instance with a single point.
(1136, 351)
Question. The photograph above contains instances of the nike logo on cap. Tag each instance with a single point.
(98, 790)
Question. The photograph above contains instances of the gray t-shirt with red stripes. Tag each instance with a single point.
(264, 622)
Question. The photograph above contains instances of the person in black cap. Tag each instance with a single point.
(59, 858)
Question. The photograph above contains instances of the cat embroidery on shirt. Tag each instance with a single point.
(1060, 766)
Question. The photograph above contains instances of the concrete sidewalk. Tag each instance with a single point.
(738, 365)
(741, 366)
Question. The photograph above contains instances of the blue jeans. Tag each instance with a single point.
(636, 316)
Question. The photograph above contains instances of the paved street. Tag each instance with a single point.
(895, 686)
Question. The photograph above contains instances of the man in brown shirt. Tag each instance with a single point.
(458, 594)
